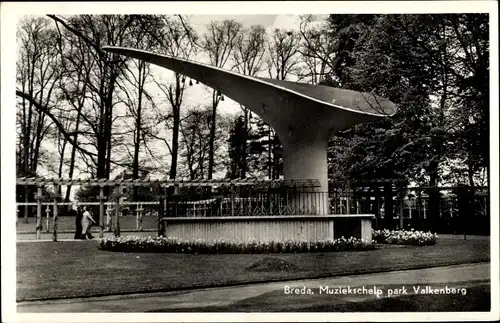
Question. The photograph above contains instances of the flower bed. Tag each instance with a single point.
(174, 245)
(404, 237)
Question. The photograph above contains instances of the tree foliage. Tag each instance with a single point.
(421, 63)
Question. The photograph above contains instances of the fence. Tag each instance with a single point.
(175, 199)
(438, 209)
(282, 202)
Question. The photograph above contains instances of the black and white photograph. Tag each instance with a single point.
(249, 161)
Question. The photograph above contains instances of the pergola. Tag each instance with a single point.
(52, 200)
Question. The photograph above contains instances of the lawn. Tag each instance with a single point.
(52, 270)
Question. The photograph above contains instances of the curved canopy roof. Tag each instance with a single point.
(283, 104)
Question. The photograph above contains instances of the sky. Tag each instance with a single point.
(270, 22)
(200, 21)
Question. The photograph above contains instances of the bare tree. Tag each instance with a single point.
(318, 50)
(248, 54)
(249, 60)
(219, 43)
(175, 38)
(283, 61)
(283, 51)
(179, 41)
(37, 73)
(76, 65)
(93, 32)
(138, 121)
(195, 142)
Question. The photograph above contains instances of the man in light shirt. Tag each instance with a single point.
(87, 221)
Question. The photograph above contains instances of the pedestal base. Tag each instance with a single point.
(305, 157)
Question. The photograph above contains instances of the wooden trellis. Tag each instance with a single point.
(36, 181)
(120, 183)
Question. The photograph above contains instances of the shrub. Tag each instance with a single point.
(404, 237)
(175, 245)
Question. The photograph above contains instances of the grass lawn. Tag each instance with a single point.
(478, 298)
(51, 270)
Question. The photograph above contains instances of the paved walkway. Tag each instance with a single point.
(461, 276)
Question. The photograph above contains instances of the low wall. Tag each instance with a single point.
(293, 227)
(353, 225)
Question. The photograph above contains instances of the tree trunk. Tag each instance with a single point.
(73, 155)
(138, 126)
(434, 203)
(26, 159)
(61, 162)
(211, 152)
(175, 101)
(107, 172)
(101, 139)
(389, 206)
(245, 142)
(470, 174)
(175, 142)
(26, 199)
(107, 143)
(108, 108)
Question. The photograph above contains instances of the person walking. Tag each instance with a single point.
(87, 221)
(78, 222)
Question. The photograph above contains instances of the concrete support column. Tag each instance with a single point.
(305, 157)
(366, 230)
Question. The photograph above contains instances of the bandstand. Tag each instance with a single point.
(304, 117)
